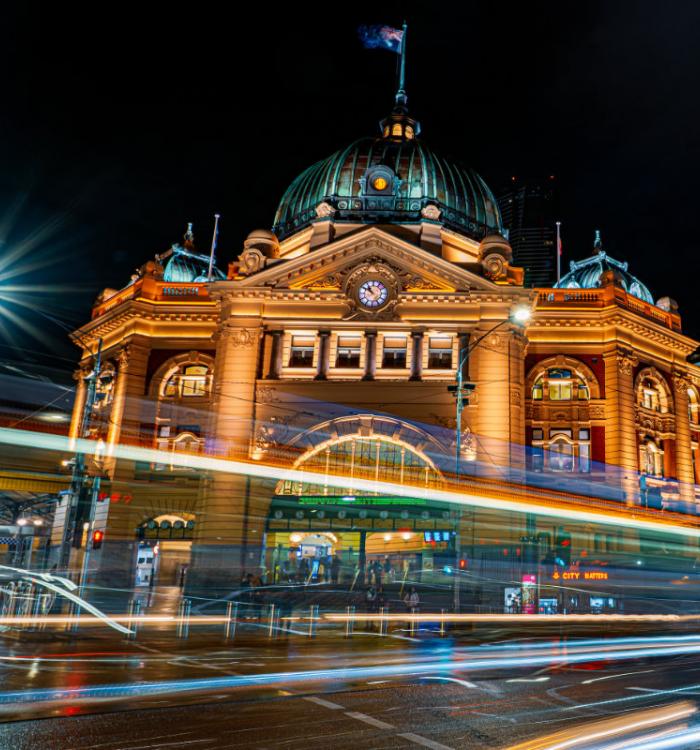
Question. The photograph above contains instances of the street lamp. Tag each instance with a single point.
(519, 315)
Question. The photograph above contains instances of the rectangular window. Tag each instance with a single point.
(584, 458)
(537, 391)
(584, 434)
(349, 348)
(394, 354)
(537, 458)
(302, 353)
(537, 433)
(560, 390)
(439, 353)
(193, 381)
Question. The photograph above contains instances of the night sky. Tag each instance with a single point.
(119, 123)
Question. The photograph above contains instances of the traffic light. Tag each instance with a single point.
(462, 564)
(97, 537)
(467, 390)
(562, 548)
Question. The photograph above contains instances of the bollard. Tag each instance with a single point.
(412, 622)
(313, 616)
(134, 610)
(272, 627)
(231, 620)
(382, 620)
(350, 622)
(183, 621)
(442, 623)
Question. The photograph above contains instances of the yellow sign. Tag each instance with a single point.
(579, 575)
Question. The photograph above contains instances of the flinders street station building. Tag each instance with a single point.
(333, 344)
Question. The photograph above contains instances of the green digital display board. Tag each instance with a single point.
(345, 500)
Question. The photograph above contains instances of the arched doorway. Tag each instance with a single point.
(164, 549)
(367, 526)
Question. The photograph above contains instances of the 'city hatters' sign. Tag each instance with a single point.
(572, 574)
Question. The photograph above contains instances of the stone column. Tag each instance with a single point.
(621, 445)
(222, 549)
(78, 405)
(489, 369)
(118, 402)
(370, 355)
(517, 345)
(684, 456)
(275, 355)
(417, 355)
(322, 363)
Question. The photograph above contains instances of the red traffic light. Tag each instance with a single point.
(97, 537)
(462, 563)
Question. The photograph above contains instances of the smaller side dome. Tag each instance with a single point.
(668, 304)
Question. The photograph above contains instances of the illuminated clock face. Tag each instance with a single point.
(373, 294)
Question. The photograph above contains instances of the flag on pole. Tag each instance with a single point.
(559, 250)
(381, 37)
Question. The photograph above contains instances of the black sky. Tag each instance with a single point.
(120, 123)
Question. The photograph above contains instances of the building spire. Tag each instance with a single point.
(597, 242)
(398, 126)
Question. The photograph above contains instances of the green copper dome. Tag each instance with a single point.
(586, 274)
(390, 179)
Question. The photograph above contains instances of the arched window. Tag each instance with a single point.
(189, 380)
(651, 459)
(560, 384)
(361, 457)
(651, 395)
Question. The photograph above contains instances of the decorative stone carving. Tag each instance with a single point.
(495, 266)
(252, 260)
(332, 281)
(681, 381)
(245, 338)
(515, 396)
(430, 212)
(626, 361)
(418, 283)
(324, 210)
(597, 412)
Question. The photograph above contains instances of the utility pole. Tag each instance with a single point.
(77, 500)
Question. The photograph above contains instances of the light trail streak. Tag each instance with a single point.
(584, 736)
(60, 443)
(408, 670)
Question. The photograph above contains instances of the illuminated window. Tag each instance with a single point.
(649, 395)
(439, 353)
(561, 455)
(560, 385)
(408, 132)
(189, 381)
(380, 183)
(651, 459)
(394, 354)
(302, 351)
(396, 130)
(349, 348)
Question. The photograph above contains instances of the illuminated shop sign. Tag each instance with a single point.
(359, 500)
(180, 291)
(580, 575)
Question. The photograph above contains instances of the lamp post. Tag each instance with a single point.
(519, 316)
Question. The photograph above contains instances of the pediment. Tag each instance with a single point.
(416, 269)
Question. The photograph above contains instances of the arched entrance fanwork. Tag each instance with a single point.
(380, 449)
(409, 532)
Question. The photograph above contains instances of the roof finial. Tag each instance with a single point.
(189, 237)
(597, 242)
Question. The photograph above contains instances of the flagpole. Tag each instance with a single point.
(213, 246)
(401, 94)
(558, 252)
